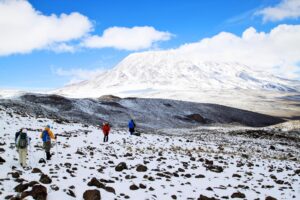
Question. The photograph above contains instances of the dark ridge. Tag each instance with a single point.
(293, 118)
(248, 118)
(52, 100)
(131, 98)
(148, 113)
(113, 104)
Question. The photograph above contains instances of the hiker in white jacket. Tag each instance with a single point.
(22, 143)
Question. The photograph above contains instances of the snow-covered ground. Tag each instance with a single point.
(219, 162)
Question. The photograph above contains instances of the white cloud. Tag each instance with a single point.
(62, 47)
(286, 9)
(77, 74)
(24, 29)
(276, 51)
(123, 38)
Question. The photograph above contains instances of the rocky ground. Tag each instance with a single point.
(201, 163)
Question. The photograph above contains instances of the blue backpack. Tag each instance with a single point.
(131, 124)
(45, 136)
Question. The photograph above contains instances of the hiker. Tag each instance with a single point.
(22, 142)
(105, 129)
(131, 126)
(46, 136)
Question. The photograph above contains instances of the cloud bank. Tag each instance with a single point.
(24, 29)
(276, 51)
(286, 9)
(123, 38)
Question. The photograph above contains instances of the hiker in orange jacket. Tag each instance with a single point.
(46, 136)
(105, 129)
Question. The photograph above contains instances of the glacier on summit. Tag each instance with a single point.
(170, 75)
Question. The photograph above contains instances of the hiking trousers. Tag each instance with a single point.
(105, 139)
(131, 130)
(22, 156)
(47, 147)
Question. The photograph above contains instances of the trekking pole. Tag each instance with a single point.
(56, 147)
(27, 155)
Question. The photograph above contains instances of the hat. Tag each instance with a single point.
(24, 130)
(48, 126)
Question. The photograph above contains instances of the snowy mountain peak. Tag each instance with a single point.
(167, 71)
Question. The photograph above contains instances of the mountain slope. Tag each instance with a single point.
(178, 164)
(148, 113)
(166, 74)
(166, 71)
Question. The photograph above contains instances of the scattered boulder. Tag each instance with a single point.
(42, 160)
(121, 166)
(200, 176)
(236, 176)
(71, 193)
(270, 198)
(128, 155)
(133, 187)
(21, 187)
(214, 168)
(32, 183)
(238, 195)
(36, 170)
(45, 179)
(92, 195)
(280, 182)
(110, 189)
(2, 160)
(272, 147)
(141, 168)
(8, 197)
(54, 187)
(39, 192)
(202, 197)
(15, 174)
(79, 152)
(25, 194)
(95, 182)
(209, 162)
(142, 186)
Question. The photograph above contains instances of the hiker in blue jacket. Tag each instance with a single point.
(131, 126)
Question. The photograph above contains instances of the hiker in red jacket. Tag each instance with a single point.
(105, 129)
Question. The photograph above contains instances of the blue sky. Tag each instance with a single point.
(174, 23)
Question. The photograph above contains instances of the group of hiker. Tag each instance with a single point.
(106, 129)
(22, 140)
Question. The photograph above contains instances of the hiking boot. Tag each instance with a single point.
(48, 155)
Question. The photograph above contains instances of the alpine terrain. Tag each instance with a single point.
(171, 75)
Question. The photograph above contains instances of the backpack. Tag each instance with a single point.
(23, 143)
(17, 135)
(131, 124)
(45, 136)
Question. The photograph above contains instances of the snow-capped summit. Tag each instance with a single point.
(166, 71)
